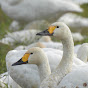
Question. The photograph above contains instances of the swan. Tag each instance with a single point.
(61, 31)
(82, 52)
(29, 76)
(20, 37)
(28, 11)
(23, 73)
(74, 21)
(36, 56)
(6, 79)
(80, 2)
(37, 44)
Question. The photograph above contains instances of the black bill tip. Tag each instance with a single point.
(44, 33)
(19, 62)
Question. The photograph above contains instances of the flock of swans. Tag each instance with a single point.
(27, 11)
(45, 64)
(47, 67)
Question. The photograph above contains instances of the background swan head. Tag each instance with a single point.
(45, 39)
(34, 55)
(57, 29)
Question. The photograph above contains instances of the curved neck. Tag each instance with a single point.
(68, 52)
(44, 68)
(65, 65)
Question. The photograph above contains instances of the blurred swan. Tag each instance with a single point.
(38, 44)
(74, 21)
(15, 26)
(28, 73)
(6, 80)
(77, 37)
(20, 37)
(23, 71)
(28, 11)
(79, 1)
(62, 32)
(83, 52)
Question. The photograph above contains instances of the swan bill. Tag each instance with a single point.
(44, 33)
(19, 62)
(23, 60)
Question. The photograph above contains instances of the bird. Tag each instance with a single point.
(74, 21)
(28, 73)
(79, 2)
(6, 80)
(22, 73)
(61, 31)
(28, 11)
(20, 37)
(82, 52)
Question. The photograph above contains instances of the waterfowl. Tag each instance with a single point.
(28, 11)
(6, 80)
(74, 21)
(61, 31)
(28, 73)
(82, 52)
(25, 72)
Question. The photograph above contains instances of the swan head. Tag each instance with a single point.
(57, 29)
(34, 55)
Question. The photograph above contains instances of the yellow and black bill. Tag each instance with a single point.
(47, 32)
(44, 33)
(19, 62)
(23, 60)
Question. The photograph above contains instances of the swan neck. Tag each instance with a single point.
(44, 69)
(68, 52)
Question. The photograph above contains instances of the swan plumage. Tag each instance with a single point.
(62, 32)
(27, 11)
(54, 57)
(74, 21)
(6, 80)
(82, 52)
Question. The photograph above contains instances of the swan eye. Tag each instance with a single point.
(31, 53)
(57, 26)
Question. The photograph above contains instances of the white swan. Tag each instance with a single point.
(28, 71)
(6, 80)
(74, 21)
(83, 52)
(20, 37)
(36, 56)
(62, 32)
(26, 74)
(27, 11)
(79, 1)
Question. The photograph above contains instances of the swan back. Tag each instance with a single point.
(82, 53)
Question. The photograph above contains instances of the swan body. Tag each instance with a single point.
(27, 11)
(83, 52)
(76, 79)
(77, 37)
(38, 44)
(74, 21)
(6, 79)
(62, 32)
(80, 2)
(27, 72)
(15, 26)
(76, 48)
(20, 37)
